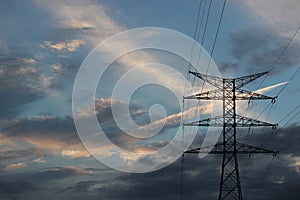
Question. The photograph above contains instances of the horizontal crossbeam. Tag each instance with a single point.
(244, 80)
(210, 95)
(213, 80)
(248, 95)
(241, 121)
(240, 95)
(240, 149)
(218, 82)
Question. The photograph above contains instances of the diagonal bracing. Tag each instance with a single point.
(229, 90)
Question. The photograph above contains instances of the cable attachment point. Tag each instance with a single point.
(274, 100)
(249, 101)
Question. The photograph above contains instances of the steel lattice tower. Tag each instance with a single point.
(229, 90)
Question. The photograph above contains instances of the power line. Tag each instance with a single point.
(282, 53)
(289, 120)
(196, 33)
(285, 117)
(229, 90)
(216, 36)
(203, 36)
(294, 75)
(289, 113)
(199, 56)
(213, 46)
(202, 41)
(277, 61)
(287, 145)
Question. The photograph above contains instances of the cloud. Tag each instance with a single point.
(59, 173)
(269, 88)
(281, 15)
(90, 18)
(39, 160)
(78, 24)
(258, 49)
(279, 177)
(56, 67)
(45, 132)
(227, 68)
(73, 153)
(14, 189)
(57, 135)
(15, 166)
(18, 153)
(69, 45)
(201, 176)
(100, 25)
(20, 84)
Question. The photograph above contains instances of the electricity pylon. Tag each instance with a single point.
(229, 90)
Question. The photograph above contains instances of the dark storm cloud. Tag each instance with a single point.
(163, 184)
(49, 135)
(18, 153)
(43, 183)
(79, 187)
(227, 67)
(200, 181)
(12, 190)
(58, 133)
(19, 85)
(261, 178)
(283, 140)
(55, 134)
(260, 48)
(55, 129)
(58, 173)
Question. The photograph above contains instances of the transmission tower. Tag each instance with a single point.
(229, 90)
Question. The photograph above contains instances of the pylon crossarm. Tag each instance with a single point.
(240, 149)
(248, 95)
(244, 80)
(213, 80)
(229, 90)
(210, 95)
(214, 121)
(249, 149)
(206, 149)
(242, 121)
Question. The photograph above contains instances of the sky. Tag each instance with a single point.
(44, 43)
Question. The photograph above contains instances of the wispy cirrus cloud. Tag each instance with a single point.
(269, 88)
(15, 166)
(20, 84)
(259, 48)
(39, 160)
(55, 173)
(280, 15)
(68, 45)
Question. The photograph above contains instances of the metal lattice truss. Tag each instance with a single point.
(241, 121)
(240, 149)
(229, 90)
(218, 82)
(240, 95)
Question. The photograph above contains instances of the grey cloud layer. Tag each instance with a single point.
(259, 49)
